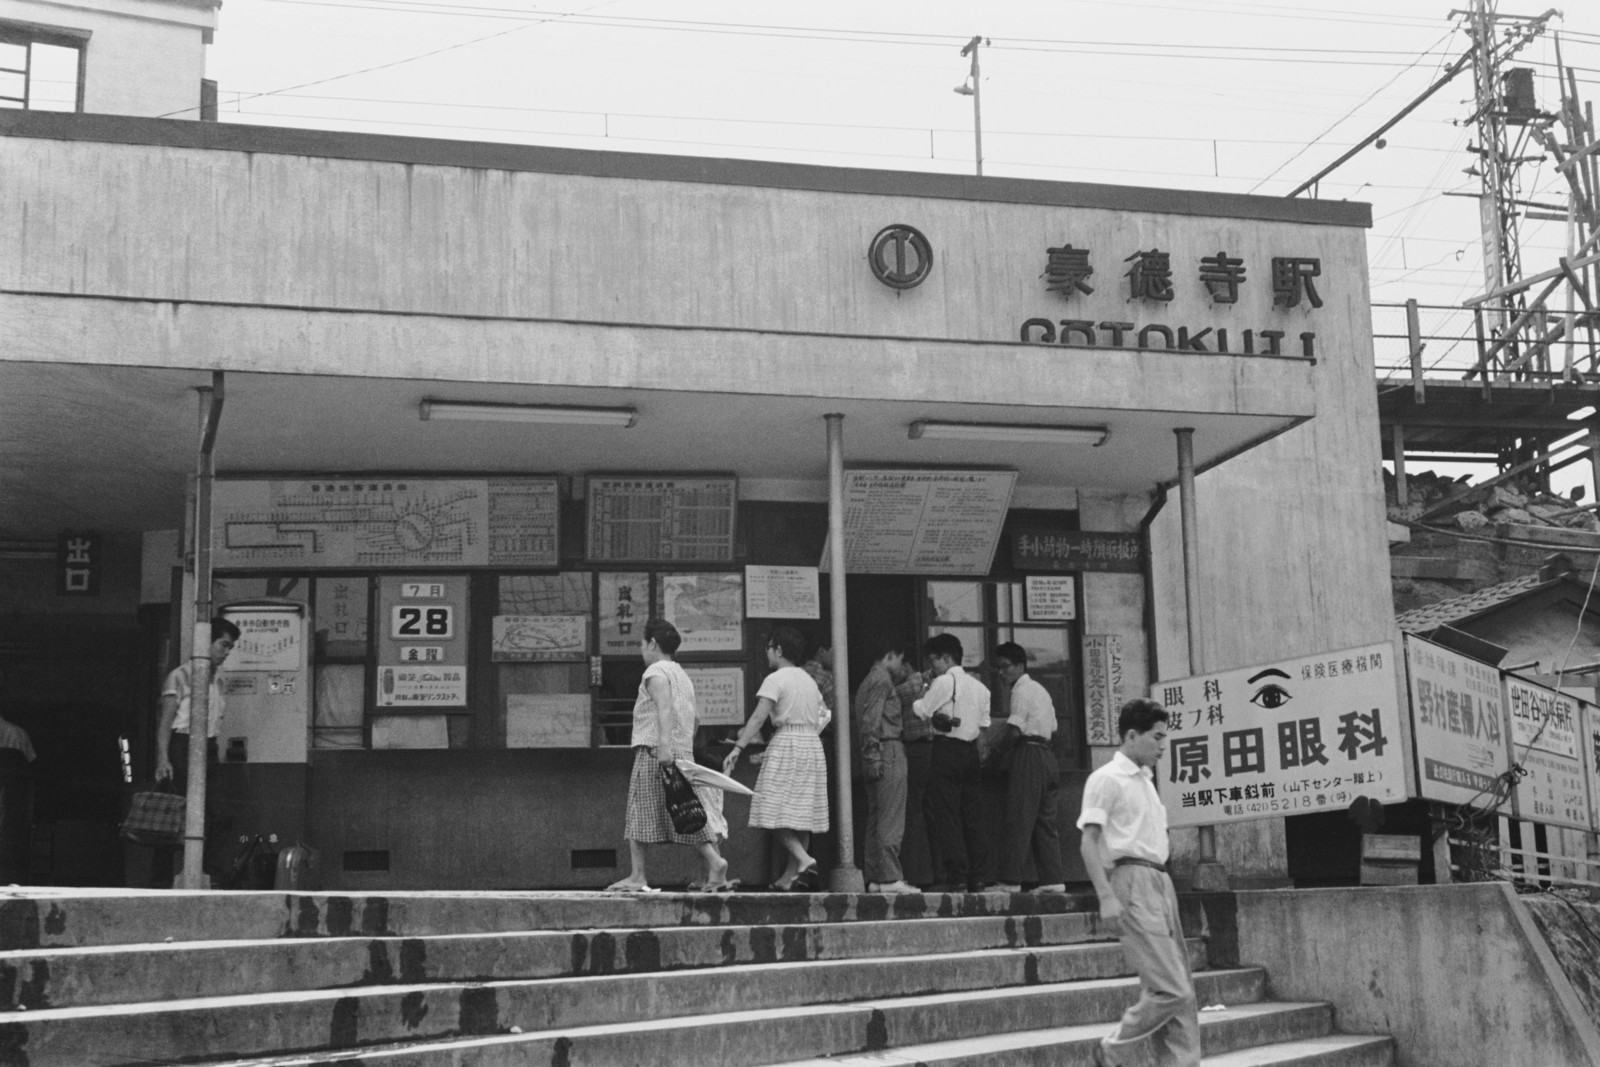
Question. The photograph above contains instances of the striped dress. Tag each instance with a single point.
(792, 789)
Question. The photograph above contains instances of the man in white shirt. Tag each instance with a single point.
(1125, 849)
(1033, 783)
(957, 705)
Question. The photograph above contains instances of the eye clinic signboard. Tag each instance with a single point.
(1287, 738)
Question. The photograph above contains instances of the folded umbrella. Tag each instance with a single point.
(700, 775)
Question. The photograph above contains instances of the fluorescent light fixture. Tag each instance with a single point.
(924, 429)
(1581, 413)
(545, 414)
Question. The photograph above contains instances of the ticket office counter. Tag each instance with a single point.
(486, 746)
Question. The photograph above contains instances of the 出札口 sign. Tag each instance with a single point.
(1287, 738)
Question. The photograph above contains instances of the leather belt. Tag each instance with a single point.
(1042, 742)
(1130, 861)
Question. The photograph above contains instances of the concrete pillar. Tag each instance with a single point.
(845, 877)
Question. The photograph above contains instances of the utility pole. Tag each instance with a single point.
(972, 87)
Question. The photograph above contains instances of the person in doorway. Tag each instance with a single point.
(1034, 782)
(883, 765)
(1125, 849)
(792, 790)
(956, 705)
(820, 667)
(663, 731)
(918, 856)
(173, 740)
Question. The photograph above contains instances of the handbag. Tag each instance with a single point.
(155, 817)
(688, 815)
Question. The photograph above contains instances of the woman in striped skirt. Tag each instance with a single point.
(792, 790)
(663, 730)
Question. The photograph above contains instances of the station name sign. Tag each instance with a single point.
(1152, 281)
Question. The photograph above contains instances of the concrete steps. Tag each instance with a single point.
(418, 980)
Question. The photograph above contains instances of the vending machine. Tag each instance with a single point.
(266, 684)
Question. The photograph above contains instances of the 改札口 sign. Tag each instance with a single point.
(1286, 738)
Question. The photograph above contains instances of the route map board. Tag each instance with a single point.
(637, 518)
(923, 521)
(343, 522)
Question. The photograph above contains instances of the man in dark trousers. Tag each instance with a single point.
(1125, 849)
(956, 705)
(1034, 780)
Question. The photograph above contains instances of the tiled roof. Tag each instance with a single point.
(1457, 608)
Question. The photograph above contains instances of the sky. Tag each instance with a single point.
(1217, 95)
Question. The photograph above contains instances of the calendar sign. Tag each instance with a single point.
(415, 621)
(422, 652)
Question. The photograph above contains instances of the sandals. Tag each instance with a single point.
(807, 881)
(629, 888)
(729, 886)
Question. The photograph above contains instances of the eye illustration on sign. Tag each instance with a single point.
(900, 257)
(1271, 695)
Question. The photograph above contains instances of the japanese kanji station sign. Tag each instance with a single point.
(1153, 280)
(1288, 738)
(1076, 550)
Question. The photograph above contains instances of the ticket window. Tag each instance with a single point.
(983, 614)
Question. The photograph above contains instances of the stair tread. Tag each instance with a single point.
(1286, 1053)
(236, 944)
(403, 989)
(1021, 1039)
(373, 1054)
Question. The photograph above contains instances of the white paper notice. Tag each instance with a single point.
(782, 593)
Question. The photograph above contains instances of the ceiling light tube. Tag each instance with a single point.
(924, 429)
(544, 414)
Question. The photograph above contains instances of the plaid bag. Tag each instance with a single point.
(155, 817)
(688, 815)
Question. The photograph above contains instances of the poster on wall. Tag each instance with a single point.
(1544, 737)
(639, 518)
(548, 720)
(707, 609)
(624, 609)
(782, 593)
(718, 695)
(1102, 686)
(540, 639)
(368, 521)
(1457, 723)
(1288, 738)
(422, 642)
(923, 521)
(1050, 598)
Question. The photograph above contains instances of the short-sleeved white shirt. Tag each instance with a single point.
(958, 694)
(1032, 711)
(180, 684)
(795, 698)
(1121, 799)
(681, 720)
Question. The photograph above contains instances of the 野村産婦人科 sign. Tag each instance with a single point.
(1286, 738)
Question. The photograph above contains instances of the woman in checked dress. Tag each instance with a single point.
(792, 790)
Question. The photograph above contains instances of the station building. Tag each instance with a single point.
(481, 409)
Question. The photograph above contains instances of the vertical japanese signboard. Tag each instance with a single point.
(1458, 723)
(1544, 740)
(1591, 757)
(1287, 738)
(1102, 685)
(422, 646)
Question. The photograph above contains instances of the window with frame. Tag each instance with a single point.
(983, 614)
(40, 69)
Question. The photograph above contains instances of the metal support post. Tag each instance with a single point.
(1397, 436)
(200, 710)
(846, 876)
(1209, 874)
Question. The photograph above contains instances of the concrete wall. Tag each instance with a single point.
(143, 57)
(1294, 557)
(1456, 974)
